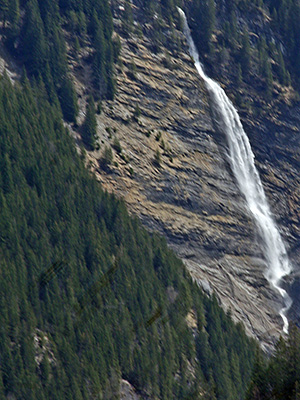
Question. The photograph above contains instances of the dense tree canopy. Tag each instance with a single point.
(39, 40)
(87, 296)
(272, 51)
(279, 378)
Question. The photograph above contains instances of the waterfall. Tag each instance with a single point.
(241, 159)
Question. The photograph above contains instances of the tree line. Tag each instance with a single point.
(270, 54)
(87, 296)
(38, 40)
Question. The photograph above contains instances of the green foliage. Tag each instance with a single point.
(245, 55)
(33, 45)
(117, 145)
(278, 378)
(116, 47)
(136, 113)
(286, 19)
(107, 158)
(127, 18)
(265, 68)
(160, 18)
(267, 72)
(14, 13)
(4, 10)
(132, 70)
(105, 53)
(39, 41)
(89, 127)
(281, 69)
(203, 23)
(277, 58)
(66, 245)
(157, 158)
(239, 75)
(68, 100)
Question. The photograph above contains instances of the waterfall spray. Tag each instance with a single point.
(242, 164)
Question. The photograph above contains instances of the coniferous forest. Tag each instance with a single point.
(88, 296)
(268, 58)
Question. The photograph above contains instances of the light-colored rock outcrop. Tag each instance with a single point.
(174, 175)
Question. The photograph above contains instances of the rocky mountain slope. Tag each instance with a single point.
(92, 305)
(170, 165)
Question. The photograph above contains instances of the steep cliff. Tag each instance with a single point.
(271, 120)
(91, 304)
(170, 165)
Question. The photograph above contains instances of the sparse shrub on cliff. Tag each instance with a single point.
(136, 113)
(131, 73)
(245, 55)
(117, 145)
(107, 158)
(157, 158)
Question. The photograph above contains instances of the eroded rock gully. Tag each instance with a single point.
(173, 173)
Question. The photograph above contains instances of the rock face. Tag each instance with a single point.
(127, 391)
(278, 159)
(170, 166)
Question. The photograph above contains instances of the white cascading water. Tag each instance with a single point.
(242, 164)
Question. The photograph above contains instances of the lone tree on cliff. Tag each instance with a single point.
(89, 127)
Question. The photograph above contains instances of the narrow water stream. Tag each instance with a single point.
(242, 164)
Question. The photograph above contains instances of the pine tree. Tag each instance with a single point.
(157, 158)
(258, 385)
(245, 55)
(167, 8)
(204, 17)
(7, 178)
(68, 100)
(8, 370)
(89, 127)
(49, 10)
(268, 81)
(57, 57)
(127, 18)
(45, 369)
(33, 43)
(239, 78)
(281, 69)
(4, 11)
(107, 157)
(14, 29)
(294, 356)
(14, 12)
(99, 62)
